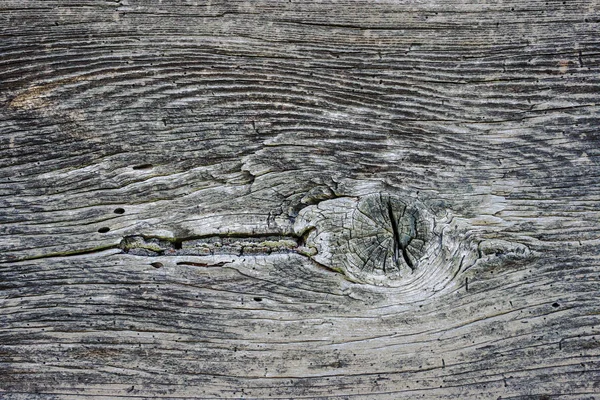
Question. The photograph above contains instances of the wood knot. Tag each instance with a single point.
(378, 238)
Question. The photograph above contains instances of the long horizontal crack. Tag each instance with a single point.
(256, 245)
(214, 245)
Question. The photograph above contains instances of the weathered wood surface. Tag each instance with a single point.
(348, 199)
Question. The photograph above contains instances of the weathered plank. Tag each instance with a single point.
(342, 199)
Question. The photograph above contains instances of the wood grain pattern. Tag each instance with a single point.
(189, 120)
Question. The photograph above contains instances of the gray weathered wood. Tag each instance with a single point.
(268, 199)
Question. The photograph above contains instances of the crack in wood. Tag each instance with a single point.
(212, 245)
(400, 246)
(396, 236)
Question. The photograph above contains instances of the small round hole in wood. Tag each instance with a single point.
(142, 166)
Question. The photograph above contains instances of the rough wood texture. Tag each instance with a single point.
(268, 199)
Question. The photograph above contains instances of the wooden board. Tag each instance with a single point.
(303, 199)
